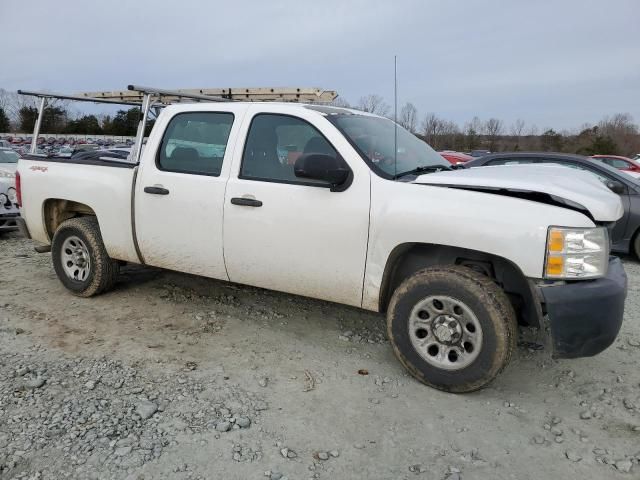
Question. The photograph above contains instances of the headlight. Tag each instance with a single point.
(5, 174)
(12, 194)
(576, 253)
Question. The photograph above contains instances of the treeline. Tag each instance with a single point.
(57, 120)
(617, 134)
(18, 113)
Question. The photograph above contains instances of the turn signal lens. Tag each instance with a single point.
(556, 240)
(555, 265)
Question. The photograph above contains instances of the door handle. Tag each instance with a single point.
(246, 202)
(156, 190)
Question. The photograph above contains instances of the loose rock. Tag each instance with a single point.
(574, 457)
(146, 409)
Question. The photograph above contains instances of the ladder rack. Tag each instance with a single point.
(148, 97)
(261, 94)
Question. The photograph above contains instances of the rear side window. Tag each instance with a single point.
(195, 143)
(603, 178)
(275, 142)
(616, 163)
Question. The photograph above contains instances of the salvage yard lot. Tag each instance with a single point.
(177, 376)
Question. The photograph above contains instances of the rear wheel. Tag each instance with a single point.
(453, 329)
(80, 258)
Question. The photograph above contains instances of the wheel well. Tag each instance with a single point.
(57, 210)
(408, 258)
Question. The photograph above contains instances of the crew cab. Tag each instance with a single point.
(348, 207)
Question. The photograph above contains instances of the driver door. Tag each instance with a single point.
(291, 234)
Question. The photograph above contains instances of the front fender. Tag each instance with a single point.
(511, 228)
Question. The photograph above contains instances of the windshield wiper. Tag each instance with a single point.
(423, 169)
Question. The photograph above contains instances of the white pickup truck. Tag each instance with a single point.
(344, 206)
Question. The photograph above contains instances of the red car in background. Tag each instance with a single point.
(455, 158)
(621, 163)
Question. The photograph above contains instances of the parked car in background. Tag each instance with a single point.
(65, 152)
(9, 159)
(102, 154)
(637, 158)
(8, 196)
(5, 144)
(623, 164)
(625, 234)
(479, 153)
(85, 147)
(455, 157)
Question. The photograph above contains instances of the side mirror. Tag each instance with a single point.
(319, 166)
(615, 187)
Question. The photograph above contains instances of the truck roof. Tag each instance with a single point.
(292, 106)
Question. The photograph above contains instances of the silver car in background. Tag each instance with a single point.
(9, 211)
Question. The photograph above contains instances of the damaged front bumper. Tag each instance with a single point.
(585, 316)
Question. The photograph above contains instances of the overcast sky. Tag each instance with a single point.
(552, 63)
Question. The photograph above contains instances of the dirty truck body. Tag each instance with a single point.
(344, 206)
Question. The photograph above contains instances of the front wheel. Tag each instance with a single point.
(452, 328)
(80, 259)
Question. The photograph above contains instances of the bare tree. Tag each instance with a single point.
(11, 102)
(431, 129)
(408, 117)
(493, 130)
(517, 128)
(516, 131)
(622, 131)
(373, 104)
(449, 133)
(472, 131)
(439, 133)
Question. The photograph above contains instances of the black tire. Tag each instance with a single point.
(635, 245)
(103, 270)
(483, 298)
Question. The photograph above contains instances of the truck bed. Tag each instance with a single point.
(103, 185)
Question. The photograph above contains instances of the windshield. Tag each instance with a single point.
(374, 138)
(7, 156)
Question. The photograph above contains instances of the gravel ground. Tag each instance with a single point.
(176, 376)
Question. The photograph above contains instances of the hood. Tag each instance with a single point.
(552, 184)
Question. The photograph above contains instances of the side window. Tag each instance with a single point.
(620, 164)
(604, 179)
(195, 143)
(275, 142)
(512, 161)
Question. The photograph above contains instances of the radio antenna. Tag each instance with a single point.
(395, 115)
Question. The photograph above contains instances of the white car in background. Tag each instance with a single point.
(9, 211)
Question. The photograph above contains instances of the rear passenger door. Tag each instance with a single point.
(180, 190)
